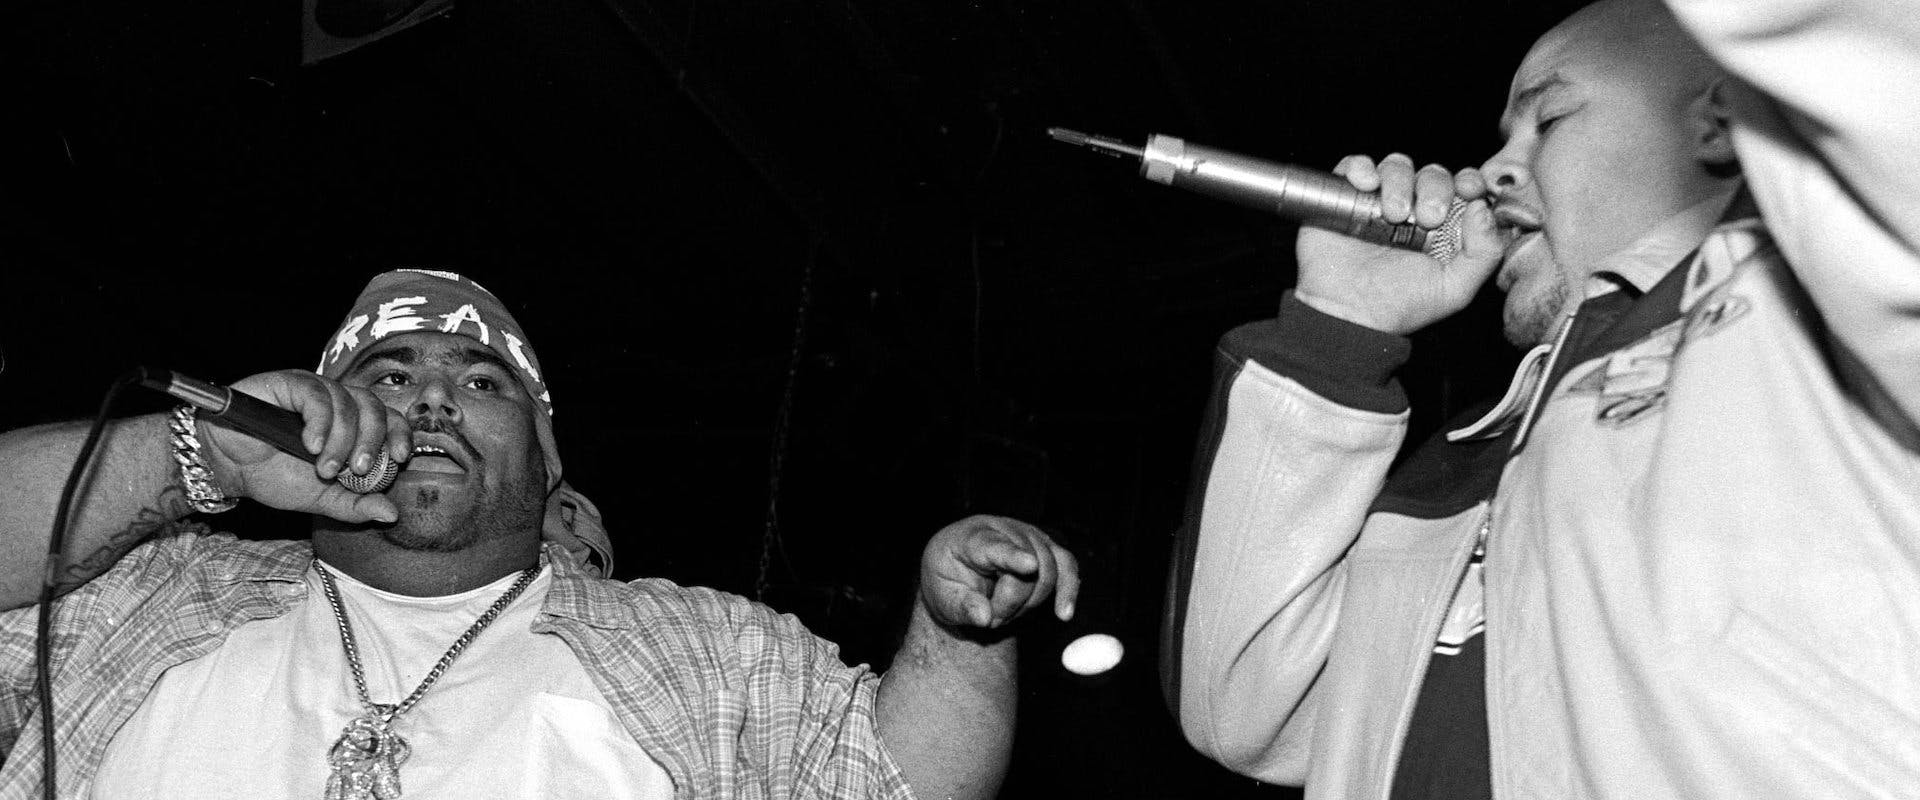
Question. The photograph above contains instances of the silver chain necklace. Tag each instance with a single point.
(364, 763)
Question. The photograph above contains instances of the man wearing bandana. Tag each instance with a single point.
(451, 636)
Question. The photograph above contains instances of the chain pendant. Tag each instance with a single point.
(365, 761)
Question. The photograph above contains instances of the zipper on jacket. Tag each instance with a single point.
(1486, 527)
(1429, 646)
(1468, 581)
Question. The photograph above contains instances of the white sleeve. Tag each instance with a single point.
(1286, 495)
(1827, 123)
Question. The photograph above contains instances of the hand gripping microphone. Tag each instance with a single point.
(1308, 196)
(268, 423)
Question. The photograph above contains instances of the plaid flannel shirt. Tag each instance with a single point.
(733, 699)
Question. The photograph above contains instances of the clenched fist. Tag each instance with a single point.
(985, 571)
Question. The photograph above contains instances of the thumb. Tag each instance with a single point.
(376, 506)
(979, 611)
(337, 502)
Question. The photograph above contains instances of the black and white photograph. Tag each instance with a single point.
(704, 399)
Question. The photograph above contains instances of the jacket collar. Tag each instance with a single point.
(1632, 273)
(1639, 266)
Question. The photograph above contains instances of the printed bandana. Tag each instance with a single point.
(424, 300)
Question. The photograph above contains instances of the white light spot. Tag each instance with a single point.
(1092, 654)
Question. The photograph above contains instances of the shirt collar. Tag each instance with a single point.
(579, 594)
(576, 593)
(281, 561)
(1643, 263)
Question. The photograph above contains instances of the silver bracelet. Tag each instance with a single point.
(195, 475)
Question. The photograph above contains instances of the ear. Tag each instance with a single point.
(1710, 119)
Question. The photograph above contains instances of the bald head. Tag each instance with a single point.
(1643, 38)
(1613, 126)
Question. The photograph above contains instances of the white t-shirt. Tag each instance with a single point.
(515, 716)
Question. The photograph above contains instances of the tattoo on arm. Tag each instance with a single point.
(167, 510)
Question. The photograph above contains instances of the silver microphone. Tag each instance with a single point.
(1308, 196)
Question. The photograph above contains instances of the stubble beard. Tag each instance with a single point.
(1529, 314)
(428, 525)
(1531, 323)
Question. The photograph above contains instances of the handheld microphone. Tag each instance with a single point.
(1308, 196)
(268, 423)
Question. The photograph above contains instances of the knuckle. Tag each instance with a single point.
(313, 392)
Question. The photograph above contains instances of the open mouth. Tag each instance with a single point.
(1514, 222)
(432, 458)
(1518, 226)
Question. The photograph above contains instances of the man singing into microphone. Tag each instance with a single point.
(1677, 560)
(450, 637)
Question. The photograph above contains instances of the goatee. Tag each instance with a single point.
(426, 525)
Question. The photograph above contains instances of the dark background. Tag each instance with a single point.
(815, 252)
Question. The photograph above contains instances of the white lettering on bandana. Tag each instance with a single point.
(345, 341)
(513, 347)
(441, 274)
(398, 315)
(466, 313)
(402, 314)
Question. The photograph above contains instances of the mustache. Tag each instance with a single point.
(423, 423)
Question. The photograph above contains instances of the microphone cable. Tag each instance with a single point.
(56, 553)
